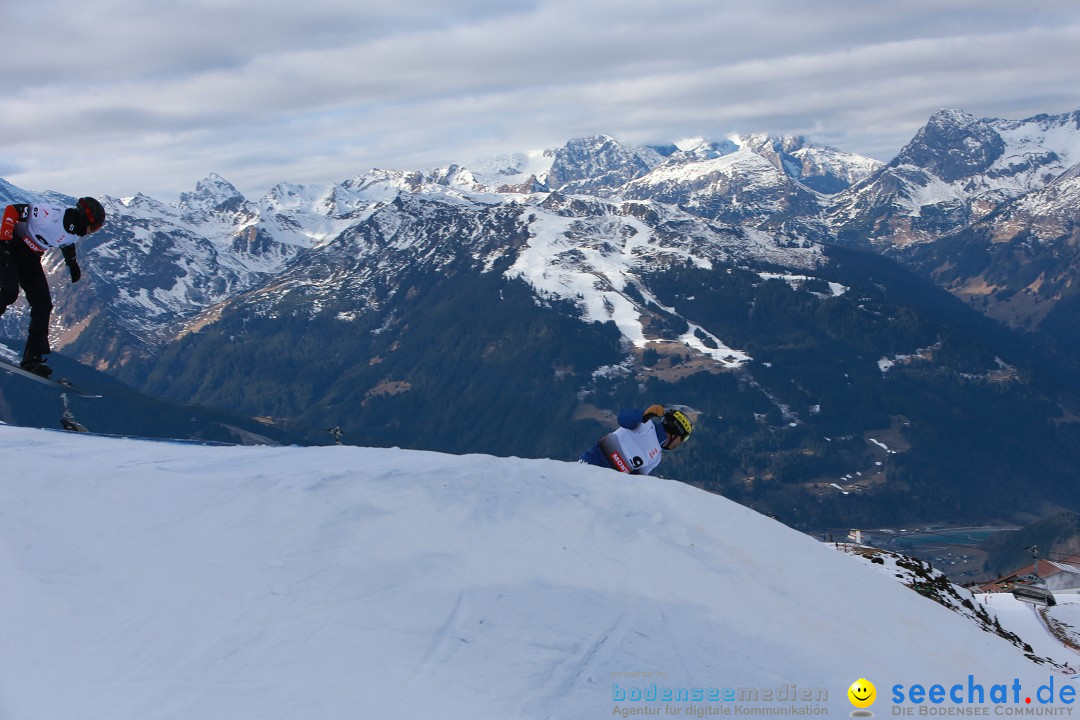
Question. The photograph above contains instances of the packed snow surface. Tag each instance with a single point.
(146, 580)
(1033, 623)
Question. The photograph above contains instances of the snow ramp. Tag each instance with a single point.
(148, 580)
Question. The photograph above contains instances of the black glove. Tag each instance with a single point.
(7, 254)
(71, 262)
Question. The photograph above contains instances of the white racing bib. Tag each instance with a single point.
(633, 451)
(44, 228)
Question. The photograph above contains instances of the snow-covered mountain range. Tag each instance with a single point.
(956, 171)
(147, 580)
(158, 267)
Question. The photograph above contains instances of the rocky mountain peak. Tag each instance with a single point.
(953, 145)
(213, 193)
(598, 163)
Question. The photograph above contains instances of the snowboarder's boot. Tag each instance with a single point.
(36, 364)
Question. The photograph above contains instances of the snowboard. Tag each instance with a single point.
(61, 384)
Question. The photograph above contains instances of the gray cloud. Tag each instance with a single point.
(153, 96)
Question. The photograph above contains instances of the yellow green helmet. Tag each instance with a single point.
(676, 423)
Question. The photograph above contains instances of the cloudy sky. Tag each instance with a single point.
(123, 96)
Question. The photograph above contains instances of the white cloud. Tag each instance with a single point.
(151, 96)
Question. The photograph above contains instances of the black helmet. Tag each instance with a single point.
(676, 423)
(95, 213)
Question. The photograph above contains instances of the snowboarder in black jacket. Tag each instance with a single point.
(26, 230)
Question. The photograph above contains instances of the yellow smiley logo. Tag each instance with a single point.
(862, 693)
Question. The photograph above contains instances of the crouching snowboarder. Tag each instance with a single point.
(26, 230)
(637, 445)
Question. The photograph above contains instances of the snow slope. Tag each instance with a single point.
(1026, 620)
(155, 580)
